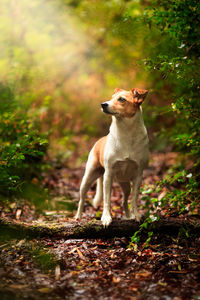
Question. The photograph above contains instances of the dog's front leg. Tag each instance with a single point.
(107, 187)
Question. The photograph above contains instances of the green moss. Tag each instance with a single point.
(42, 258)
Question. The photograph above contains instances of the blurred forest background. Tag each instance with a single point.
(59, 59)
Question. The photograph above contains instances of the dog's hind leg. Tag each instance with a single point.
(126, 188)
(91, 174)
(134, 209)
(99, 193)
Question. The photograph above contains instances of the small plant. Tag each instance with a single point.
(145, 228)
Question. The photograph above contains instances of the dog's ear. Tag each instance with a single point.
(117, 90)
(139, 95)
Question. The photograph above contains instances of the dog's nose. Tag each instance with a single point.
(104, 105)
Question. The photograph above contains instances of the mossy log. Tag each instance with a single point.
(94, 229)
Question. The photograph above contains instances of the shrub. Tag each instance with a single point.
(22, 146)
(175, 60)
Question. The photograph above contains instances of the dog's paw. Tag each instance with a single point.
(136, 216)
(106, 220)
(77, 216)
(127, 216)
(96, 202)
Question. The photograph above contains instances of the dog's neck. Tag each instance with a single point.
(128, 127)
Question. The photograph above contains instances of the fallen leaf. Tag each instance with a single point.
(178, 272)
(18, 214)
(162, 195)
(18, 286)
(67, 276)
(50, 213)
(13, 205)
(142, 274)
(162, 283)
(20, 243)
(133, 288)
(96, 262)
(73, 250)
(80, 254)
(116, 279)
(57, 272)
(45, 290)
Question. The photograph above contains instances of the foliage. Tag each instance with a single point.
(176, 194)
(22, 145)
(176, 60)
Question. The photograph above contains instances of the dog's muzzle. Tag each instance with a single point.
(104, 107)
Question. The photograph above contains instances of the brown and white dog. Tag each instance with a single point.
(121, 155)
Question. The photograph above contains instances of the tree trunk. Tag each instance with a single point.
(94, 229)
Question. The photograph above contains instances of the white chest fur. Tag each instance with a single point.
(127, 145)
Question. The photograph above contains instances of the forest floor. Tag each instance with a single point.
(52, 268)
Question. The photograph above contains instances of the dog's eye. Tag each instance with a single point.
(120, 99)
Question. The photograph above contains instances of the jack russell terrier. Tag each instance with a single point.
(121, 155)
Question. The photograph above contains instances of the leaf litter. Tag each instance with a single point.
(96, 268)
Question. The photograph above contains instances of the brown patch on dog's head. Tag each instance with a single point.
(125, 103)
(117, 90)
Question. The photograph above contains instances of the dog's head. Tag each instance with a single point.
(124, 103)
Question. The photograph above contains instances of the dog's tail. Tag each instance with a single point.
(99, 193)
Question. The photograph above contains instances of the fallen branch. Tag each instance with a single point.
(94, 228)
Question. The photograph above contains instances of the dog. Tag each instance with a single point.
(122, 155)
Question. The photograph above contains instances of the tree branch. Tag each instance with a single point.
(94, 229)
